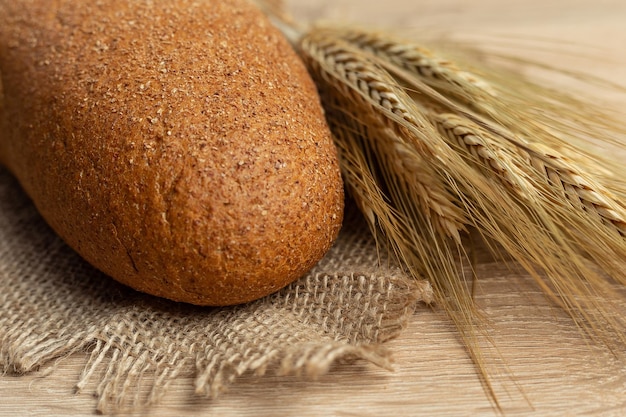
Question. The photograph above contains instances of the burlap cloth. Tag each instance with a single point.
(53, 304)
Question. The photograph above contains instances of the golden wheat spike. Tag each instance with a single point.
(572, 182)
(413, 176)
(437, 71)
(577, 289)
(488, 155)
(581, 208)
(387, 224)
(577, 186)
(362, 82)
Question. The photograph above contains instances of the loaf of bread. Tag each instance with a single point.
(179, 146)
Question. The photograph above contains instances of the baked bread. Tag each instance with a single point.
(179, 146)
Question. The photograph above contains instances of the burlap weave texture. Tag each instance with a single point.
(53, 304)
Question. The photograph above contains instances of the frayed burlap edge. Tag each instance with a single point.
(117, 364)
(130, 374)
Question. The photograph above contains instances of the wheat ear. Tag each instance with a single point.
(362, 82)
(588, 212)
(489, 155)
(434, 70)
(575, 185)
(538, 191)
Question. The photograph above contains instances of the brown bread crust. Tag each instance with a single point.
(179, 146)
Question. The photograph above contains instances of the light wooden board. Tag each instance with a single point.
(554, 370)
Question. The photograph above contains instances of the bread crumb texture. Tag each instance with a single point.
(179, 146)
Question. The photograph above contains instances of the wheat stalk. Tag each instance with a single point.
(494, 210)
(428, 148)
(385, 146)
(351, 95)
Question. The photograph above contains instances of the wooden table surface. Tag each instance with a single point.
(552, 371)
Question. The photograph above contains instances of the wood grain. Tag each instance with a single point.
(552, 370)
